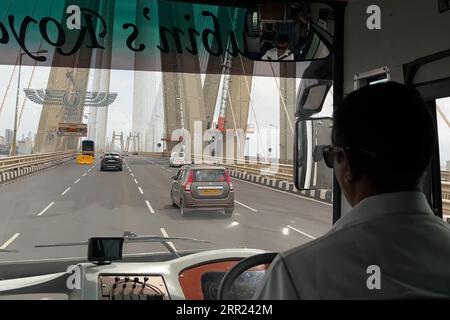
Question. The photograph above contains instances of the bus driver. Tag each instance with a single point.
(383, 140)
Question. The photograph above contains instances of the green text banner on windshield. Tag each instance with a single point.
(145, 35)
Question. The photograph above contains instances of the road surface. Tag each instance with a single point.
(71, 203)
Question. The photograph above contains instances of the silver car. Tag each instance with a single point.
(203, 187)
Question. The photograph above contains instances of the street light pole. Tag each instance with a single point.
(276, 139)
(13, 151)
(155, 130)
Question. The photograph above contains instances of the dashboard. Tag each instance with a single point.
(132, 287)
(192, 277)
(202, 282)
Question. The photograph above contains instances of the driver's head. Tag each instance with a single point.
(282, 43)
(385, 138)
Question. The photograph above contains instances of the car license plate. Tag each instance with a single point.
(209, 192)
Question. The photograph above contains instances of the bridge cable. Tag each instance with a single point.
(249, 92)
(283, 102)
(33, 70)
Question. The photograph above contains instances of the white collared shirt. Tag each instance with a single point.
(272, 54)
(396, 232)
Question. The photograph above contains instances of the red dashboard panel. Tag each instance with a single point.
(190, 279)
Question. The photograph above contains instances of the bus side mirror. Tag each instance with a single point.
(310, 171)
(311, 98)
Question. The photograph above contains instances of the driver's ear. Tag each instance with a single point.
(348, 172)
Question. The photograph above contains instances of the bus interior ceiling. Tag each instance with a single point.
(409, 30)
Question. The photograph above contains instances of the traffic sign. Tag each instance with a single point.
(72, 129)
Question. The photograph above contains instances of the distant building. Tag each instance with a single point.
(2, 141)
(24, 146)
(8, 137)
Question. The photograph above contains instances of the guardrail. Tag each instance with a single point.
(254, 166)
(13, 167)
(154, 154)
(284, 172)
(269, 169)
(270, 174)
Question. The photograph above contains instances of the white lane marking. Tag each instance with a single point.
(132, 175)
(84, 174)
(135, 181)
(7, 243)
(166, 235)
(77, 181)
(162, 167)
(169, 170)
(150, 207)
(129, 170)
(67, 190)
(89, 170)
(233, 224)
(245, 206)
(46, 208)
(140, 190)
(281, 191)
(301, 232)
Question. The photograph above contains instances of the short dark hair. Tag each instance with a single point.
(282, 38)
(391, 121)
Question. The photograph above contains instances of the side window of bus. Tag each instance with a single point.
(443, 120)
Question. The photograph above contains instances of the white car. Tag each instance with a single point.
(177, 159)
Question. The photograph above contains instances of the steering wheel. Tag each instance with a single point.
(239, 268)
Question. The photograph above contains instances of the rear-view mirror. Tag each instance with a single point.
(310, 171)
(289, 31)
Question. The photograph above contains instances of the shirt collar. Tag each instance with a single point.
(384, 204)
(285, 54)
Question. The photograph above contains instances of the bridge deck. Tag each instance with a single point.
(70, 203)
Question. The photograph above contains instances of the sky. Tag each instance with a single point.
(265, 101)
(265, 106)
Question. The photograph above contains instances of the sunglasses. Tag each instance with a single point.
(328, 152)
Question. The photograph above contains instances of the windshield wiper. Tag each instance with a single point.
(129, 237)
